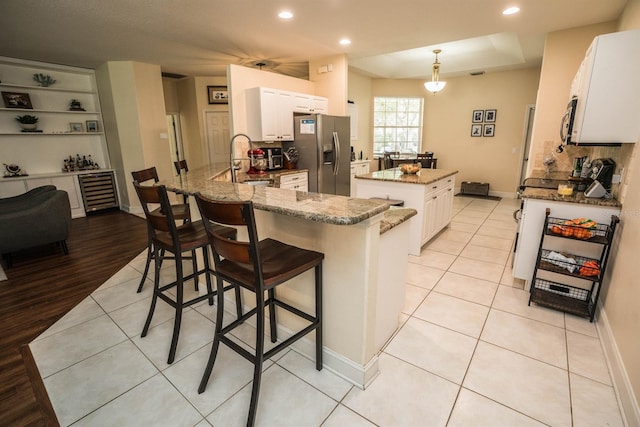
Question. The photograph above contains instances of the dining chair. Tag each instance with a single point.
(387, 158)
(180, 212)
(258, 266)
(168, 237)
(427, 160)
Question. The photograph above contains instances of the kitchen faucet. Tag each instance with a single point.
(232, 158)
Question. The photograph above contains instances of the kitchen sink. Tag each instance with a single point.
(542, 183)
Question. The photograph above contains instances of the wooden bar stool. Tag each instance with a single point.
(180, 212)
(258, 266)
(168, 237)
(181, 165)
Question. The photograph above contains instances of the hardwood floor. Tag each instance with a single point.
(42, 286)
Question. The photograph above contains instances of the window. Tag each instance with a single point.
(397, 124)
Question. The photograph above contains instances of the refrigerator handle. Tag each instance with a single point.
(336, 145)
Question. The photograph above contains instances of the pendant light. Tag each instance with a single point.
(435, 85)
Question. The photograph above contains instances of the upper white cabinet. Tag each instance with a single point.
(309, 104)
(62, 131)
(270, 112)
(607, 86)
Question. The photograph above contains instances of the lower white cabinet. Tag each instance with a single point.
(438, 207)
(358, 167)
(295, 181)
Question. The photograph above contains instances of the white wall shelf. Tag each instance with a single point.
(48, 88)
(44, 152)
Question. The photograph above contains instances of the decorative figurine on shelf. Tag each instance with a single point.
(28, 123)
(13, 170)
(75, 105)
(44, 80)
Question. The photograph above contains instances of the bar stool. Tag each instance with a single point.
(168, 237)
(179, 211)
(180, 166)
(258, 266)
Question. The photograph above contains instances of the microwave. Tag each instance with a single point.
(569, 129)
(274, 158)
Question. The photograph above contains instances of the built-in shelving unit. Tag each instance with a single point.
(43, 152)
(571, 282)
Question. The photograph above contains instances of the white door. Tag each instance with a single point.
(217, 130)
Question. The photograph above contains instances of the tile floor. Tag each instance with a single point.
(470, 352)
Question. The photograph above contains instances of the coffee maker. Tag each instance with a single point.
(602, 171)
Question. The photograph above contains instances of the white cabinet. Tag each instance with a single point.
(44, 151)
(358, 167)
(303, 103)
(66, 182)
(295, 181)
(607, 87)
(438, 207)
(269, 114)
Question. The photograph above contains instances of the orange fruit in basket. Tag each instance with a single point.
(581, 233)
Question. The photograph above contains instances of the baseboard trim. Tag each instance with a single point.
(42, 398)
(622, 385)
(358, 375)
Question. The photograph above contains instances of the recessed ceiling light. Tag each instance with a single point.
(345, 42)
(511, 10)
(285, 14)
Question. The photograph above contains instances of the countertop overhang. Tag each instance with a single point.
(423, 177)
(326, 208)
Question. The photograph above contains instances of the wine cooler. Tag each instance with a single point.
(98, 191)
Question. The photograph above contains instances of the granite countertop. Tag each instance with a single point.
(552, 194)
(423, 177)
(394, 217)
(327, 208)
(577, 197)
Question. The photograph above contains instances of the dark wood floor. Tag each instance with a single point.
(42, 286)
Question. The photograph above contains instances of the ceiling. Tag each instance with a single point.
(200, 37)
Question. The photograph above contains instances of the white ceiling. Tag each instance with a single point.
(390, 39)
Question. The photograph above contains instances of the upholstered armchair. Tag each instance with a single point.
(37, 217)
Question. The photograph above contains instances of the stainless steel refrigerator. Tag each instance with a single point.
(323, 144)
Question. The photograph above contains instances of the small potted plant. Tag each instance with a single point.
(28, 122)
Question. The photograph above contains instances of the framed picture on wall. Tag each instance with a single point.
(478, 116)
(17, 100)
(76, 127)
(490, 116)
(476, 130)
(489, 130)
(218, 94)
(92, 126)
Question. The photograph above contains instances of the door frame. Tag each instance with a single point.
(527, 133)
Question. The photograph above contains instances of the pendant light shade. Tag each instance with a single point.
(435, 85)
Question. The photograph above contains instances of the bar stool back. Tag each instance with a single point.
(168, 237)
(180, 212)
(258, 266)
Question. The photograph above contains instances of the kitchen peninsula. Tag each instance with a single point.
(429, 192)
(362, 300)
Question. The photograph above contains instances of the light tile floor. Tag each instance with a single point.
(470, 352)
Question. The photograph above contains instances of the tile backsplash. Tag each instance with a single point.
(622, 156)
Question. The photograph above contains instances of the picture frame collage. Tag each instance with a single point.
(483, 123)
